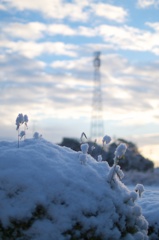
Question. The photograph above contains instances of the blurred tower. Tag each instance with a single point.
(97, 125)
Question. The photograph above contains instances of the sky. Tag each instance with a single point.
(46, 68)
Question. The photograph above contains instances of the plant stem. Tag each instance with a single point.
(18, 138)
(111, 176)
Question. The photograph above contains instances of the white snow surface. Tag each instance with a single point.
(46, 185)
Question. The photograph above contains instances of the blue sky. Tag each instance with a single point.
(46, 68)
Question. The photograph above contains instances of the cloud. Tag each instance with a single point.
(76, 64)
(32, 49)
(110, 12)
(57, 9)
(130, 38)
(28, 88)
(32, 30)
(62, 29)
(153, 25)
(2, 7)
(122, 83)
(38, 30)
(74, 11)
(147, 3)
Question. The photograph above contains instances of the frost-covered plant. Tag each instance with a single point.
(22, 134)
(83, 155)
(119, 172)
(19, 121)
(37, 135)
(93, 146)
(99, 159)
(139, 189)
(119, 154)
(106, 139)
(81, 138)
(84, 148)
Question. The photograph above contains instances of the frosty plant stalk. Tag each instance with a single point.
(81, 138)
(119, 154)
(19, 121)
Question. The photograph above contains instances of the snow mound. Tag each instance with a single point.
(47, 194)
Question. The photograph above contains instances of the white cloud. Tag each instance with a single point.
(2, 7)
(37, 30)
(82, 64)
(55, 9)
(32, 30)
(147, 3)
(75, 10)
(32, 49)
(153, 25)
(86, 31)
(62, 29)
(130, 38)
(29, 89)
(110, 12)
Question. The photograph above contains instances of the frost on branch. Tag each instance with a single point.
(83, 155)
(106, 139)
(119, 154)
(99, 159)
(22, 134)
(37, 135)
(139, 189)
(120, 151)
(119, 172)
(81, 138)
(19, 121)
(84, 148)
(26, 120)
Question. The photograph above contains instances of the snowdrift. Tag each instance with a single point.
(47, 194)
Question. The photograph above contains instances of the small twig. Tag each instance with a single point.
(18, 137)
(83, 134)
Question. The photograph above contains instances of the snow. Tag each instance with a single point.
(149, 203)
(106, 139)
(48, 192)
(120, 151)
(140, 189)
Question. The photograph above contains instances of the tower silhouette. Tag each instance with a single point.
(97, 125)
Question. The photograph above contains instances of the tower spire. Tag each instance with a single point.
(97, 126)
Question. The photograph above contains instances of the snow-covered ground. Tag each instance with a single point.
(149, 201)
(149, 178)
(150, 209)
(48, 192)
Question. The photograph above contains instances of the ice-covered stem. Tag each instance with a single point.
(119, 172)
(25, 123)
(83, 155)
(99, 158)
(19, 121)
(139, 189)
(119, 154)
(81, 138)
(84, 148)
(26, 120)
(93, 146)
(22, 134)
(37, 135)
(106, 139)
(120, 151)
